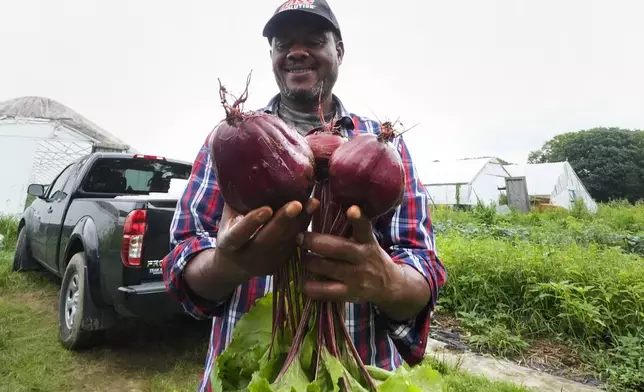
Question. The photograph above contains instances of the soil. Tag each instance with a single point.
(552, 357)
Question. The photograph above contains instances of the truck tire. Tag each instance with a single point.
(22, 259)
(72, 307)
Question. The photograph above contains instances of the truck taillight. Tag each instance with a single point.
(133, 232)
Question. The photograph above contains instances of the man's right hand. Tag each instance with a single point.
(255, 244)
(259, 243)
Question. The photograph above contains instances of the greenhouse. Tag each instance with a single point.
(39, 137)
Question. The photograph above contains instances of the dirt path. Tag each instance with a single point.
(500, 369)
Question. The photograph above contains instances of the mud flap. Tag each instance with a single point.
(95, 318)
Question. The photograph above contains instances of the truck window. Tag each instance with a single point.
(55, 191)
(133, 176)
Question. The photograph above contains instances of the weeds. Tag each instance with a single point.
(8, 232)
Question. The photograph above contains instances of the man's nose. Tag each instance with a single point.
(298, 52)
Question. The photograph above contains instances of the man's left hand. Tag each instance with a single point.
(358, 268)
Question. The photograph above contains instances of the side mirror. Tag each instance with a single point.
(36, 190)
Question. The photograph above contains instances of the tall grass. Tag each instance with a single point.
(8, 229)
(557, 274)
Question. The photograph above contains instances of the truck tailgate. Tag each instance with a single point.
(157, 237)
(156, 242)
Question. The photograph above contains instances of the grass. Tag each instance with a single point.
(457, 381)
(9, 231)
(567, 276)
(137, 357)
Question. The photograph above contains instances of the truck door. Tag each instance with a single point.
(54, 201)
(57, 209)
(36, 229)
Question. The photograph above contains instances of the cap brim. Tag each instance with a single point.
(285, 17)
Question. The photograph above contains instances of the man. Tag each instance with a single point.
(389, 273)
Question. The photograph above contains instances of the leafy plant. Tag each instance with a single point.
(553, 274)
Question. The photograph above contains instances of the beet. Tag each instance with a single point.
(323, 143)
(259, 160)
(367, 171)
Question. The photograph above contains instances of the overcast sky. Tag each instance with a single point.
(481, 77)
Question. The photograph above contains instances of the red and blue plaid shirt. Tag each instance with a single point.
(406, 233)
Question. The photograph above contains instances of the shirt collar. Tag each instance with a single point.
(344, 120)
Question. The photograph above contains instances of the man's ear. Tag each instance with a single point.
(339, 46)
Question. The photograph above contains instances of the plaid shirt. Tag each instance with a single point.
(407, 233)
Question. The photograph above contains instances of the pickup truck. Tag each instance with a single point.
(102, 226)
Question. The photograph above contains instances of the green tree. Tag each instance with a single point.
(609, 161)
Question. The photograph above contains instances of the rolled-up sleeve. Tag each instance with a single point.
(408, 235)
(194, 228)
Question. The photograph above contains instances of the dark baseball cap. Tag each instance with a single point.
(293, 8)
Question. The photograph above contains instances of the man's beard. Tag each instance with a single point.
(303, 95)
(311, 95)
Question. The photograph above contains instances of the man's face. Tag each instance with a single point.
(306, 59)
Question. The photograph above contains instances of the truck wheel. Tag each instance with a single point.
(71, 307)
(22, 260)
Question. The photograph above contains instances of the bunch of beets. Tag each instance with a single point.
(260, 161)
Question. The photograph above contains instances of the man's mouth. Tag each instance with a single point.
(299, 70)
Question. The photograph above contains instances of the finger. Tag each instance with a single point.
(330, 246)
(305, 216)
(327, 268)
(326, 291)
(278, 227)
(238, 230)
(362, 230)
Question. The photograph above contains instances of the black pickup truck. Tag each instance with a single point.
(103, 227)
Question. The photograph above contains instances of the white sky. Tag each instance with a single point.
(481, 77)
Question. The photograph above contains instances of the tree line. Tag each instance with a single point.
(608, 161)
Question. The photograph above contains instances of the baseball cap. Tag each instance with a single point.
(293, 8)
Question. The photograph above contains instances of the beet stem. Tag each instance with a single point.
(297, 340)
(289, 299)
(275, 316)
(354, 351)
(320, 343)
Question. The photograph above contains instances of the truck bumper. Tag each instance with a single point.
(148, 300)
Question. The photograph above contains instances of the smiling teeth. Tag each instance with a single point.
(301, 70)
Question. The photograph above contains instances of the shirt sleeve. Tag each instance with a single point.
(194, 228)
(408, 235)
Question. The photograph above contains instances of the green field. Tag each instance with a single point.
(137, 357)
(572, 278)
(515, 281)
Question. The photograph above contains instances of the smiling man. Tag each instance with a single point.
(221, 262)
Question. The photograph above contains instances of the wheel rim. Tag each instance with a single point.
(71, 301)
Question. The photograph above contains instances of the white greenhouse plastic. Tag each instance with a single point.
(38, 138)
(557, 181)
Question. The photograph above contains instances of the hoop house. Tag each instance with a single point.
(39, 137)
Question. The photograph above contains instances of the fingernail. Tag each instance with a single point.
(263, 215)
(311, 206)
(293, 209)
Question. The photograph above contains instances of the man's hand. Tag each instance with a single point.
(250, 245)
(258, 243)
(359, 269)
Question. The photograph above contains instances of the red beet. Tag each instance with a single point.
(259, 160)
(367, 171)
(323, 143)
